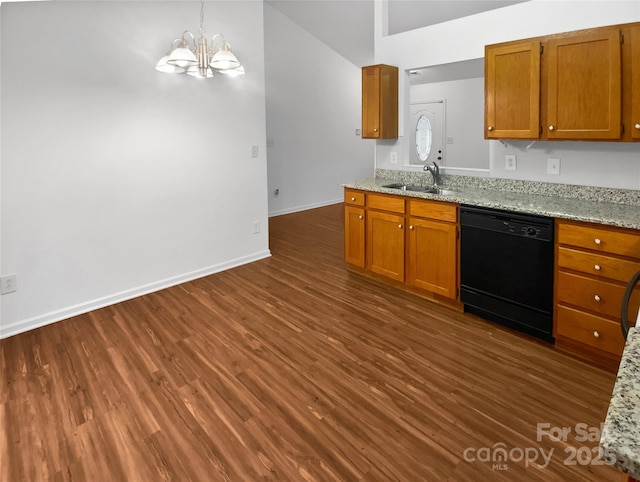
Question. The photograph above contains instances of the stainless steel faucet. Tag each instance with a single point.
(434, 169)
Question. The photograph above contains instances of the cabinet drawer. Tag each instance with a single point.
(597, 264)
(595, 295)
(590, 294)
(607, 240)
(589, 329)
(354, 197)
(394, 204)
(441, 211)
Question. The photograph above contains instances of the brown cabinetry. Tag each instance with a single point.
(512, 90)
(432, 261)
(412, 241)
(582, 85)
(385, 235)
(354, 228)
(380, 102)
(593, 265)
(634, 118)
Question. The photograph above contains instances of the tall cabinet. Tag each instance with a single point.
(380, 102)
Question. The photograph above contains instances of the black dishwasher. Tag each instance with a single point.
(506, 268)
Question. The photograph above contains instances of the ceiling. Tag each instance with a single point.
(347, 25)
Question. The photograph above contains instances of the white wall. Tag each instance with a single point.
(588, 163)
(117, 179)
(464, 100)
(313, 109)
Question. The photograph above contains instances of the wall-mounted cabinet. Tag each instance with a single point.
(572, 86)
(380, 102)
(634, 117)
(512, 90)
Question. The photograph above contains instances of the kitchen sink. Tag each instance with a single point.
(429, 190)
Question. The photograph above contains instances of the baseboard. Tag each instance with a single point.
(304, 207)
(22, 326)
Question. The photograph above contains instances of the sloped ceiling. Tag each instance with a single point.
(347, 25)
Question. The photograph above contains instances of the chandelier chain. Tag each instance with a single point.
(201, 15)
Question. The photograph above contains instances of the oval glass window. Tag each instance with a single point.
(423, 138)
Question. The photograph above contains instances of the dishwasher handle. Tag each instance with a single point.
(624, 309)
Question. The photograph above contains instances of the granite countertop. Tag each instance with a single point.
(622, 425)
(524, 201)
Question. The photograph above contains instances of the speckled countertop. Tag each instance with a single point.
(622, 425)
(585, 204)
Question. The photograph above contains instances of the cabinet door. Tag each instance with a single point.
(512, 91)
(354, 236)
(584, 86)
(432, 256)
(380, 102)
(385, 244)
(635, 82)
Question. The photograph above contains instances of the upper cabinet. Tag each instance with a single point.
(584, 86)
(580, 85)
(634, 118)
(512, 90)
(380, 102)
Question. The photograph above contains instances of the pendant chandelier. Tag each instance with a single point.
(200, 59)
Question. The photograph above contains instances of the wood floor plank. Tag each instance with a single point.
(292, 368)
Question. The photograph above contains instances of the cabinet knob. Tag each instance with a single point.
(360, 217)
(353, 198)
(596, 297)
(597, 267)
(490, 128)
(399, 226)
(596, 334)
(375, 130)
(637, 126)
(411, 228)
(552, 128)
(597, 241)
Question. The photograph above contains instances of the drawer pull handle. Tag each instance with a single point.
(596, 334)
(411, 227)
(399, 226)
(596, 297)
(597, 267)
(375, 130)
(353, 198)
(360, 217)
(490, 128)
(551, 128)
(597, 241)
(637, 126)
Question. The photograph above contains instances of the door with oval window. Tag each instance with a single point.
(427, 133)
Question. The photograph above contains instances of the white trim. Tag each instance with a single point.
(304, 207)
(81, 308)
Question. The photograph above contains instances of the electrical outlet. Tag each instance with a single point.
(394, 158)
(8, 284)
(510, 162)
(254, 151)
(553, 165)
(358, 132)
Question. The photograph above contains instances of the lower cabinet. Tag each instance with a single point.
(413, 241)
(354, 235)
(432, 262)
(593, 265)
(385, 244)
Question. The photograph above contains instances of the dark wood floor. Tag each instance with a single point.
(290, 368)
